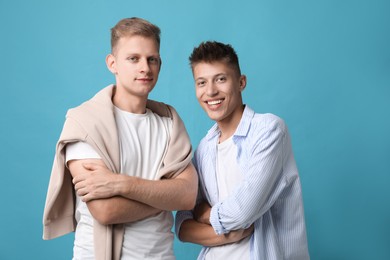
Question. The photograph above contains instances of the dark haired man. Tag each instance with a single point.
(250, 201)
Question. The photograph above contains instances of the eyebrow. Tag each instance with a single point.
(213, 76)
(137, 53)
(199, 78)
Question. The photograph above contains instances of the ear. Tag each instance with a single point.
(111, 64)
(242, 82)
(159, 69)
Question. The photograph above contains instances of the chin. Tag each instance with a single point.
(213, 117)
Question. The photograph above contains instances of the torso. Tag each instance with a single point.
(228, 176)
(143, 140)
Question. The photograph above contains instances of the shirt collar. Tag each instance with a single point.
(242, 128)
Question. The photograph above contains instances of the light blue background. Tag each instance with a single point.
(323, 66)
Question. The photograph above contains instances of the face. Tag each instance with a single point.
(218, 90)
(136, 65)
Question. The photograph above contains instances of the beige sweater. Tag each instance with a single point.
(94, 122)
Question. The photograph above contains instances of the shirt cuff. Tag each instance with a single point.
(214, 220)
(180, 217)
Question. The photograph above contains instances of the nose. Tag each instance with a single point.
(144, 66)
(211, 89)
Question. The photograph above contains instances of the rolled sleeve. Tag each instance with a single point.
(263, 182)
(180, 217)
(215, 221)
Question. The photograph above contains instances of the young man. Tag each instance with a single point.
(250, 204)
(122, 216)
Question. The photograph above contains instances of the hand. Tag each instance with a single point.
(202, 213)
(96, 182)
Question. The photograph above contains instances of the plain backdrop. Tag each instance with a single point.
(323, 66)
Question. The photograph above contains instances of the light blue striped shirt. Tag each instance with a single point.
(270, 195)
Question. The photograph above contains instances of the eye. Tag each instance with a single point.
(200, 83)
(221, 79)
(154, 60)
(132, 58)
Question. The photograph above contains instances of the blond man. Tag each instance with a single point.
(119, 130)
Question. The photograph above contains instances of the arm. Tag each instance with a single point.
(204, 234)
(111, 210)
(199, 230)
(262, 185)
(178, 193)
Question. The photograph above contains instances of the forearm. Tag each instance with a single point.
(112, 209)
(117, 210)
(203, 234)
(167, 194)
(93, 181)
(199, 233)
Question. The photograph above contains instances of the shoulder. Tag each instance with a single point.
(94, 114)
(166, 111)
(86, 109)
(84, 113)
(201, 152)
(265, 128)
(201, 147)
(207, 142)
(161, 109)
(97, 106)
(267, 122)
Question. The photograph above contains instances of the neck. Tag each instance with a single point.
(229, 125)
(128, 102)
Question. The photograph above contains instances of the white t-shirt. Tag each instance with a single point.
(143, 141)
(228, 178)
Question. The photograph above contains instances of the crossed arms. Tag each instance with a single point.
(199, 230)
(232, 219)
(115, 198)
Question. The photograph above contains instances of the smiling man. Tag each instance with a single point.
(250, 201)
(126, 215)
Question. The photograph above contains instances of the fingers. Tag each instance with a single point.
(79, 185)
(79, 178)
(91, 166)
(91, 169)
(251, 229)
(95, 168)
(248, 231)
(86, 198)
(83, 192)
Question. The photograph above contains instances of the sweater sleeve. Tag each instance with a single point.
(179, 151)
(58, 215)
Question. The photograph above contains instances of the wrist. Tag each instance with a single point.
(120, 184)
(125, 186)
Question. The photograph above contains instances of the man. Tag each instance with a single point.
(250, 204)
(122, 216)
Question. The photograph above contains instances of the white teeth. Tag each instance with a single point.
(215, 102)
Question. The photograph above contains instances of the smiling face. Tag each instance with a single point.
(218, 90)
(136, 65)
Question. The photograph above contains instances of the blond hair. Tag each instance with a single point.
(134, 26)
